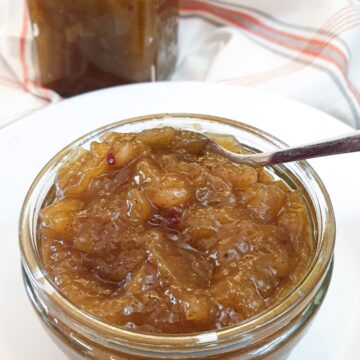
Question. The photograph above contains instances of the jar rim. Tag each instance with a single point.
(315, 273)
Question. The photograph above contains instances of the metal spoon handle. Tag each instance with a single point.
(339, 145)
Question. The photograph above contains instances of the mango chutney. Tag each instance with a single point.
(155, 231)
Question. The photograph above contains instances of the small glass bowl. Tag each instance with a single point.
(270, 335)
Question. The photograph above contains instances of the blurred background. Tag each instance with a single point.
(308, 50)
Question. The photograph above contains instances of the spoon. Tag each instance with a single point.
(338, 145)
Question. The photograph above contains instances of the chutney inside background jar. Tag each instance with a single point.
(84, 45)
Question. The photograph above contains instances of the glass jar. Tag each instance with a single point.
(82, 45)
(269, 335)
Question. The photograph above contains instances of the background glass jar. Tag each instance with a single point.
(82, 45)
(270, 335)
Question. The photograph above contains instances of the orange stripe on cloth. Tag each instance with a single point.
(293, 66)
(225, 13)
(312, 47)
(306, 46)
(11, 83)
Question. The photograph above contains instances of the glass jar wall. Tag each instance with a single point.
(84, 45)
(270, 335)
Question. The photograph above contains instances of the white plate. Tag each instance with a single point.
(26, 145)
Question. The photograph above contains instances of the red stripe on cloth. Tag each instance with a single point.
(338, 18)
(199, 8)
(213, 9)
(10, 83)
(305, 50)
(347, 16)
(347, 25)
(47, 95)
(40, 91)
(204, 8)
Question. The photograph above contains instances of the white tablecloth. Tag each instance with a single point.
(305, 49)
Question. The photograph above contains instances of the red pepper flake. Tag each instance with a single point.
(111, 159)
(172, 217)
(130, 7)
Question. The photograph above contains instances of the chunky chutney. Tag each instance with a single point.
(157, 232)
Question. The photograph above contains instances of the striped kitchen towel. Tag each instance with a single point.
(305, 49)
